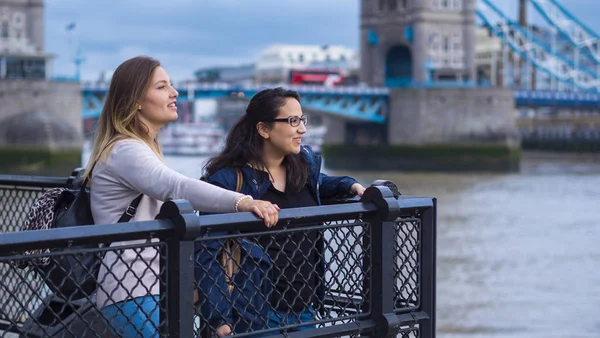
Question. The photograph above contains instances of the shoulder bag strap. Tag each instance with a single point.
(240, 180)
(231, 255)
(131, 209)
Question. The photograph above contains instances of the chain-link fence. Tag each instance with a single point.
(17, 195)
(406, 270)
(349, 270)
(37, 301)
(307, 276)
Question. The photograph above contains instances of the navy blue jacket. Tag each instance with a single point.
(321, 185)
(245, 309)
(217, 305)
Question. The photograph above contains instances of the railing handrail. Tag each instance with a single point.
(33, 181)
(209, 224)
(84, 234)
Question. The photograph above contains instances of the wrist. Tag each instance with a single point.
(238, 200)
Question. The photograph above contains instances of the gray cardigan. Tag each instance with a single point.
(132, 168)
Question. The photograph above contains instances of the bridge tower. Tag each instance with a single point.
(414, 42)
(438, 119)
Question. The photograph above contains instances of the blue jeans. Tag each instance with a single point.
(278, 319)
(135, 318)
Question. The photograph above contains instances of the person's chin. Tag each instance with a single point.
(173, 116)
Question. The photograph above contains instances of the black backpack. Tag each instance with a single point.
(68, 275)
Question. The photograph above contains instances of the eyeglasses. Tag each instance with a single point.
(294, 121)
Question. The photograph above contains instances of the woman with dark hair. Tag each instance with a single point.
(266, 146)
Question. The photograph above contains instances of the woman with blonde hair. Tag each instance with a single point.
(129, 179)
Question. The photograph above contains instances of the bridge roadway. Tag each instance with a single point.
(359, 102)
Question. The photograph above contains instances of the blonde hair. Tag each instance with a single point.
(119, 118)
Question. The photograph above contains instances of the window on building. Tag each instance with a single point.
(301, 57)
(405, 4)
(17, 68)
(381, 6)
(4, 29)
(17, 18)
(18, 34)
(342, 57)
(446, 45)
(393, 5)
(445, 3)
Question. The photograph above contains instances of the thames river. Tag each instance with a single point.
(518, 253)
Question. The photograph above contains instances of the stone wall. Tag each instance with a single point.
(54, 108)
(59, 98)
(453, 116)
(458, 129)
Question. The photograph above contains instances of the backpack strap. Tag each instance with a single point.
(231, 255)
(131, 209)
(240, 180)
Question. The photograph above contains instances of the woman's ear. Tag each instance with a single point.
(262, 129)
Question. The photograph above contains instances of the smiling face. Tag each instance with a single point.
(159, 104)
(281, 138)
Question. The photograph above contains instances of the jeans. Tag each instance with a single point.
(135, 318)
(278, 319)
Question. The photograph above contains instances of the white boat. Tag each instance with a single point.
(192, 139)
(314, 137)
(208, 138)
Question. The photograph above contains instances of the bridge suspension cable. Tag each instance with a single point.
(580, 36)
(534, 50)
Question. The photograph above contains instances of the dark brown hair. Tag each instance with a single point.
(244, 144)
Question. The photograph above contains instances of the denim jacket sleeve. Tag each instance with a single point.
(335, 186)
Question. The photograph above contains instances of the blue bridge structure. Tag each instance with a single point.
(358, 103)
(571, 71)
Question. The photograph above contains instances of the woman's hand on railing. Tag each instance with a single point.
(224, 330)
(357, 189)
(263, 209)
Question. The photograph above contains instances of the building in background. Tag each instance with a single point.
(226, 74)
(276, 63)
(40, 119)
(488, 57)
(292, 64)
(22, 41)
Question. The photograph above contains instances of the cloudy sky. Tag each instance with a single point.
(188, 34)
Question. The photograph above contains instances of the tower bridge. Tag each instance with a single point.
(455, 76)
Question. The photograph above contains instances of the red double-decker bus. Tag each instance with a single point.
(323, 77)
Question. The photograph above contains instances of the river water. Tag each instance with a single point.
(518, 253)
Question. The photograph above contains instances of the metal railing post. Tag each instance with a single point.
(380, 284)
(428, 271)
(177, 270)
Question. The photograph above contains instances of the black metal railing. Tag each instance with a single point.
(367, 269)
